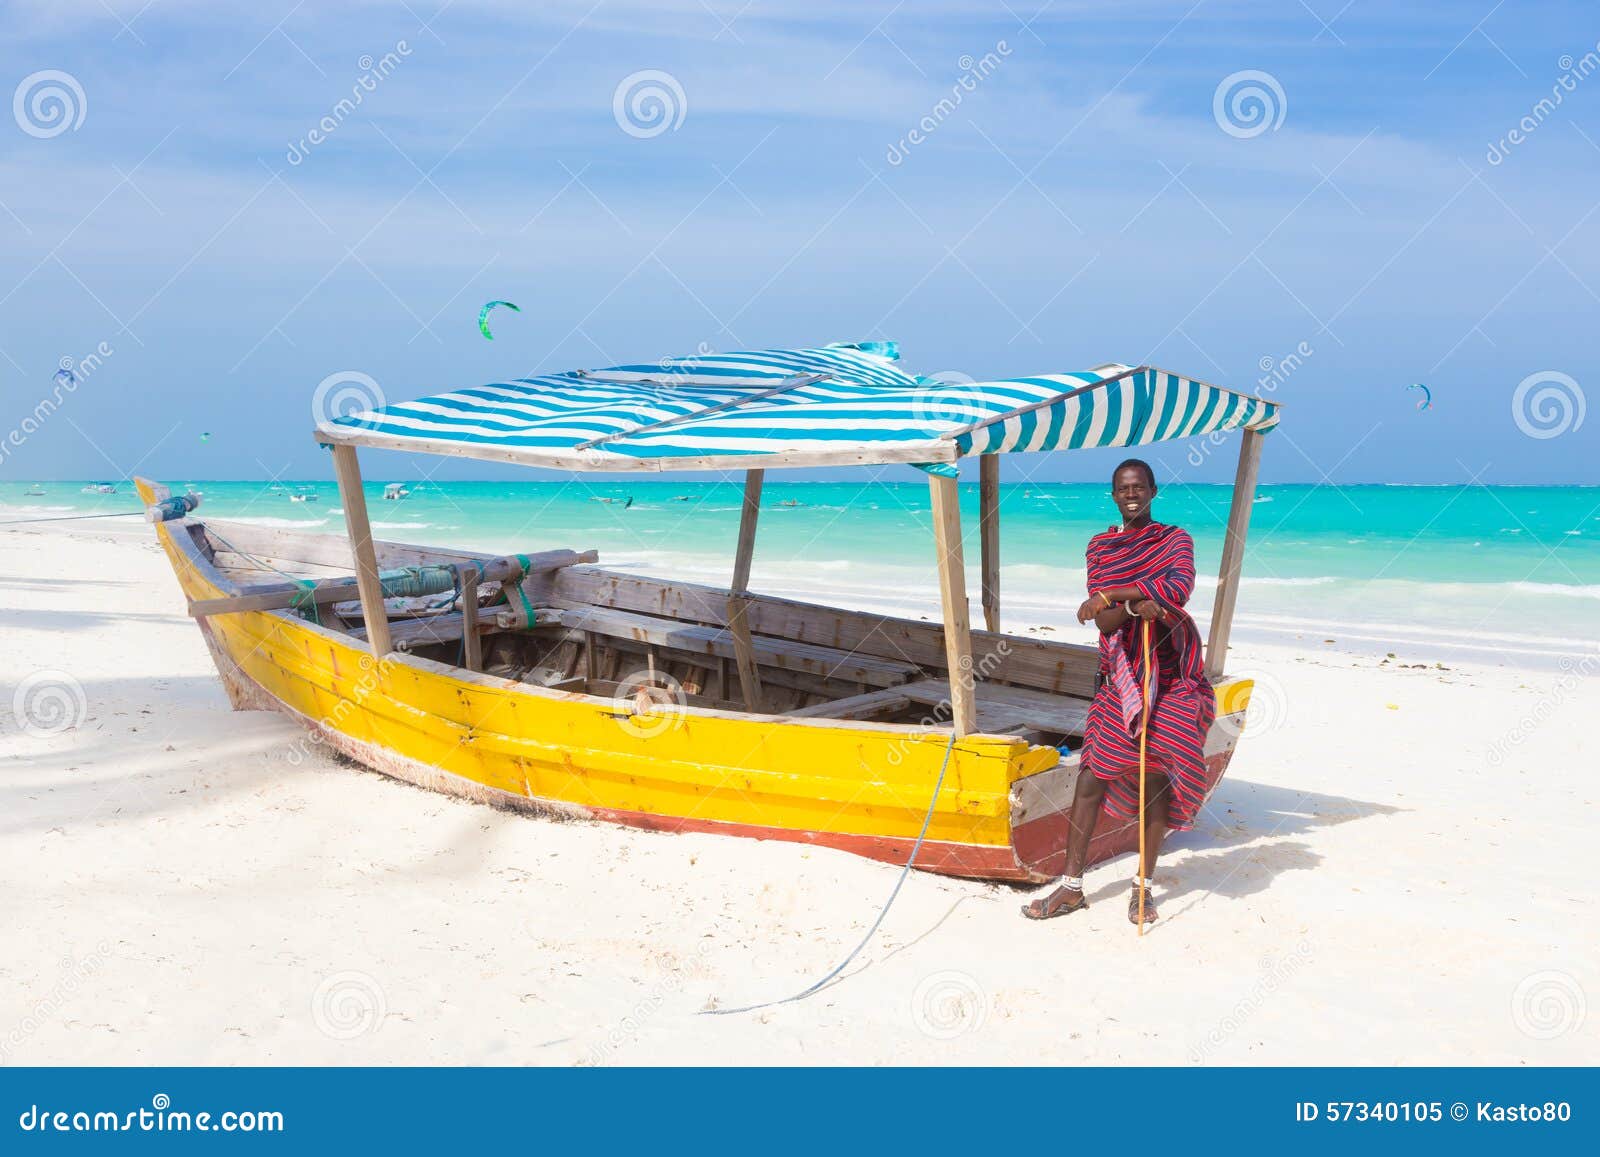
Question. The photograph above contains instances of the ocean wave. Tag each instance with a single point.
(283, 523)
(401, 525)
(1567, 590)
(1313, 581)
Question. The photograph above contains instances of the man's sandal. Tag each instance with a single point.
(1149, 907)
(1055, 904)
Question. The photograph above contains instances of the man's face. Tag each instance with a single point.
(1132, 492)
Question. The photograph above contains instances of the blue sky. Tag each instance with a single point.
(1083, 204)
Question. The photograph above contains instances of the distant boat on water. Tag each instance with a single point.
(395, 491)
(100, 488)
(34, 491)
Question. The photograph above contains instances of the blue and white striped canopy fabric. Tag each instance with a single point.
(836, 405)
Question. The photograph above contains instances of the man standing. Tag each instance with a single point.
(1141, 571)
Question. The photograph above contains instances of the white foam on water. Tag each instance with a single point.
(267, 520)
(401, 525)
(1568, 590)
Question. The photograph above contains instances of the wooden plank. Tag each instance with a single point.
(348, 472)
(626, 464)
(254, 568)
(1040, 663)
(622, 654)
(471, 642)
(1244, 497)
(826, 662)
(278, 595)
(787, 384)
(1017, 706)
(277, 544)
(989, 526)
(868, 706)
(749, 514)
(738, 604)
(953, 599)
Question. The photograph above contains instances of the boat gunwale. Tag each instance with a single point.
(228, 585)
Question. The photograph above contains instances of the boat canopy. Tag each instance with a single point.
(846, 404)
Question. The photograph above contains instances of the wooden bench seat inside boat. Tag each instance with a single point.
(1042, 664)
(250, 552)
(782, 654)
(1006, 710)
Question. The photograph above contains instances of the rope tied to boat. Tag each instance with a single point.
(527, 607)
(415, 582)
(884, 911)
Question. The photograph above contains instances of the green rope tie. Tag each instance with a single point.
(306, 600)
(527, 607)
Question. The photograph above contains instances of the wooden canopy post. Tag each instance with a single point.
(953, 599)
(1244, 496)
(471, 641)
(348, 472)
(738, 602)
(989, 526)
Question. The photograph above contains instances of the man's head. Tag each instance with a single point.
(1133, 488)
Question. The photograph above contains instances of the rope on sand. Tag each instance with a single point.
(856, 951)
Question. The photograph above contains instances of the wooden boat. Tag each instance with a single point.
(544, 682)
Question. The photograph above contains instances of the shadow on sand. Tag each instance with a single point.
(1244, 840)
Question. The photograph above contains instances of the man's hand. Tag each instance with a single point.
(1148, 609)
(1091, 607)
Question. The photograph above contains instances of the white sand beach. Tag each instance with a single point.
(1391, 872)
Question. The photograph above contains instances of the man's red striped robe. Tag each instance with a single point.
(1158, 560)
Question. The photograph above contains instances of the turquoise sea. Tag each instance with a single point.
(1505, 572)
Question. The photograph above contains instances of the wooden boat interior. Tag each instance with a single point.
(604, 633)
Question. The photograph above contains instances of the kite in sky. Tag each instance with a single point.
(483, 316)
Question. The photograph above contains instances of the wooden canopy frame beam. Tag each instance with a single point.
(1244, 497)
(348, 471)
(989, 526)
(744, 650)
(946, 496)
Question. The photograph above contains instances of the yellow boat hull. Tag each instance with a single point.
(866, 788)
